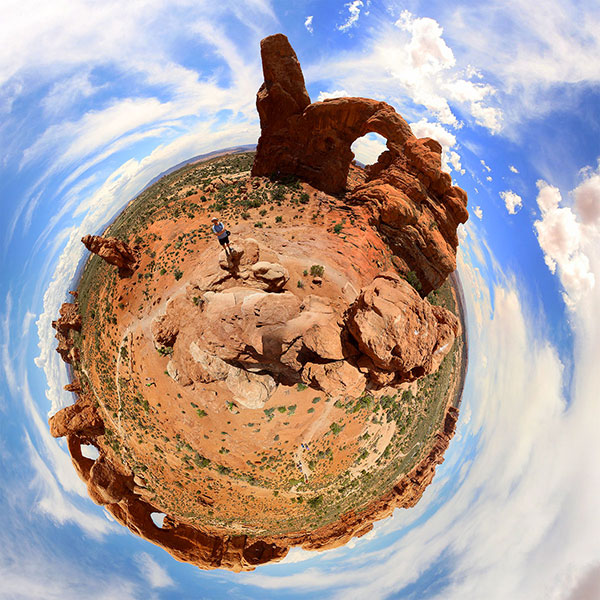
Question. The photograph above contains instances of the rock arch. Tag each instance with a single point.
(411, 200)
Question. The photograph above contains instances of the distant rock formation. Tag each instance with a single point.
(70, 320)
(413, 202)
(110, 485)
(113, 251)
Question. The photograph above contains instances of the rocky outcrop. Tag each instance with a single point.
(74, 386)
(109, 486)
(398, 330)
(252, 338)
(81, 419)
(113, 251)
(115, 489)
(70, 320)
(411, 200)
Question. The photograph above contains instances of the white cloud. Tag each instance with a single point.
(156, 575)
(587, 197)
(513, 169)
(485, 166)
(569, 237)
(66, 92)
(411, 59)
(478, 212)
(489, 178)
(354, 10)
(529, 52)
(335, 94)
(512, 201)
(308, 23)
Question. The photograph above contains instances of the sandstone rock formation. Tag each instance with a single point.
(236, 330)
(412, 201)
(70, 320)
(398, 330)
(80, 418)
(110, 486)
(113, 251)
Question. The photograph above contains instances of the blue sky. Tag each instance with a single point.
(96, 99)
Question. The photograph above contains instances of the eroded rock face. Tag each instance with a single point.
(81, 419)
(70, 320)
(412, 200)
(398, 330)
(113, 251)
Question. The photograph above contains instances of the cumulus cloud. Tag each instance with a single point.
(513, 169)
(485, 166)
(334, 94)
(512, 201)
(478, 212)
(587, 197)
(308, 23)
(354, 10)
(568, 236)
(410, 58)
(156, 575)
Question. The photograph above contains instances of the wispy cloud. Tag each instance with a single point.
(354, 13)
(308, 23)
(156, 575)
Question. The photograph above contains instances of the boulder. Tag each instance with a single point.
(398, 330)
(272, 275)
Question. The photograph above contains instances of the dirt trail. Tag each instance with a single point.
(144, 325)
(308, 437)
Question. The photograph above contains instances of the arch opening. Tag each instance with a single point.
(368, 148)
(89, 451)
(158, 519)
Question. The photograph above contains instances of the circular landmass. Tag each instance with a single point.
(291, 392)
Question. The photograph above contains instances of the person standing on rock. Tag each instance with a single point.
(222, 234)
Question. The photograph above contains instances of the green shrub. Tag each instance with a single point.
(317, 270)
(413, 279)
